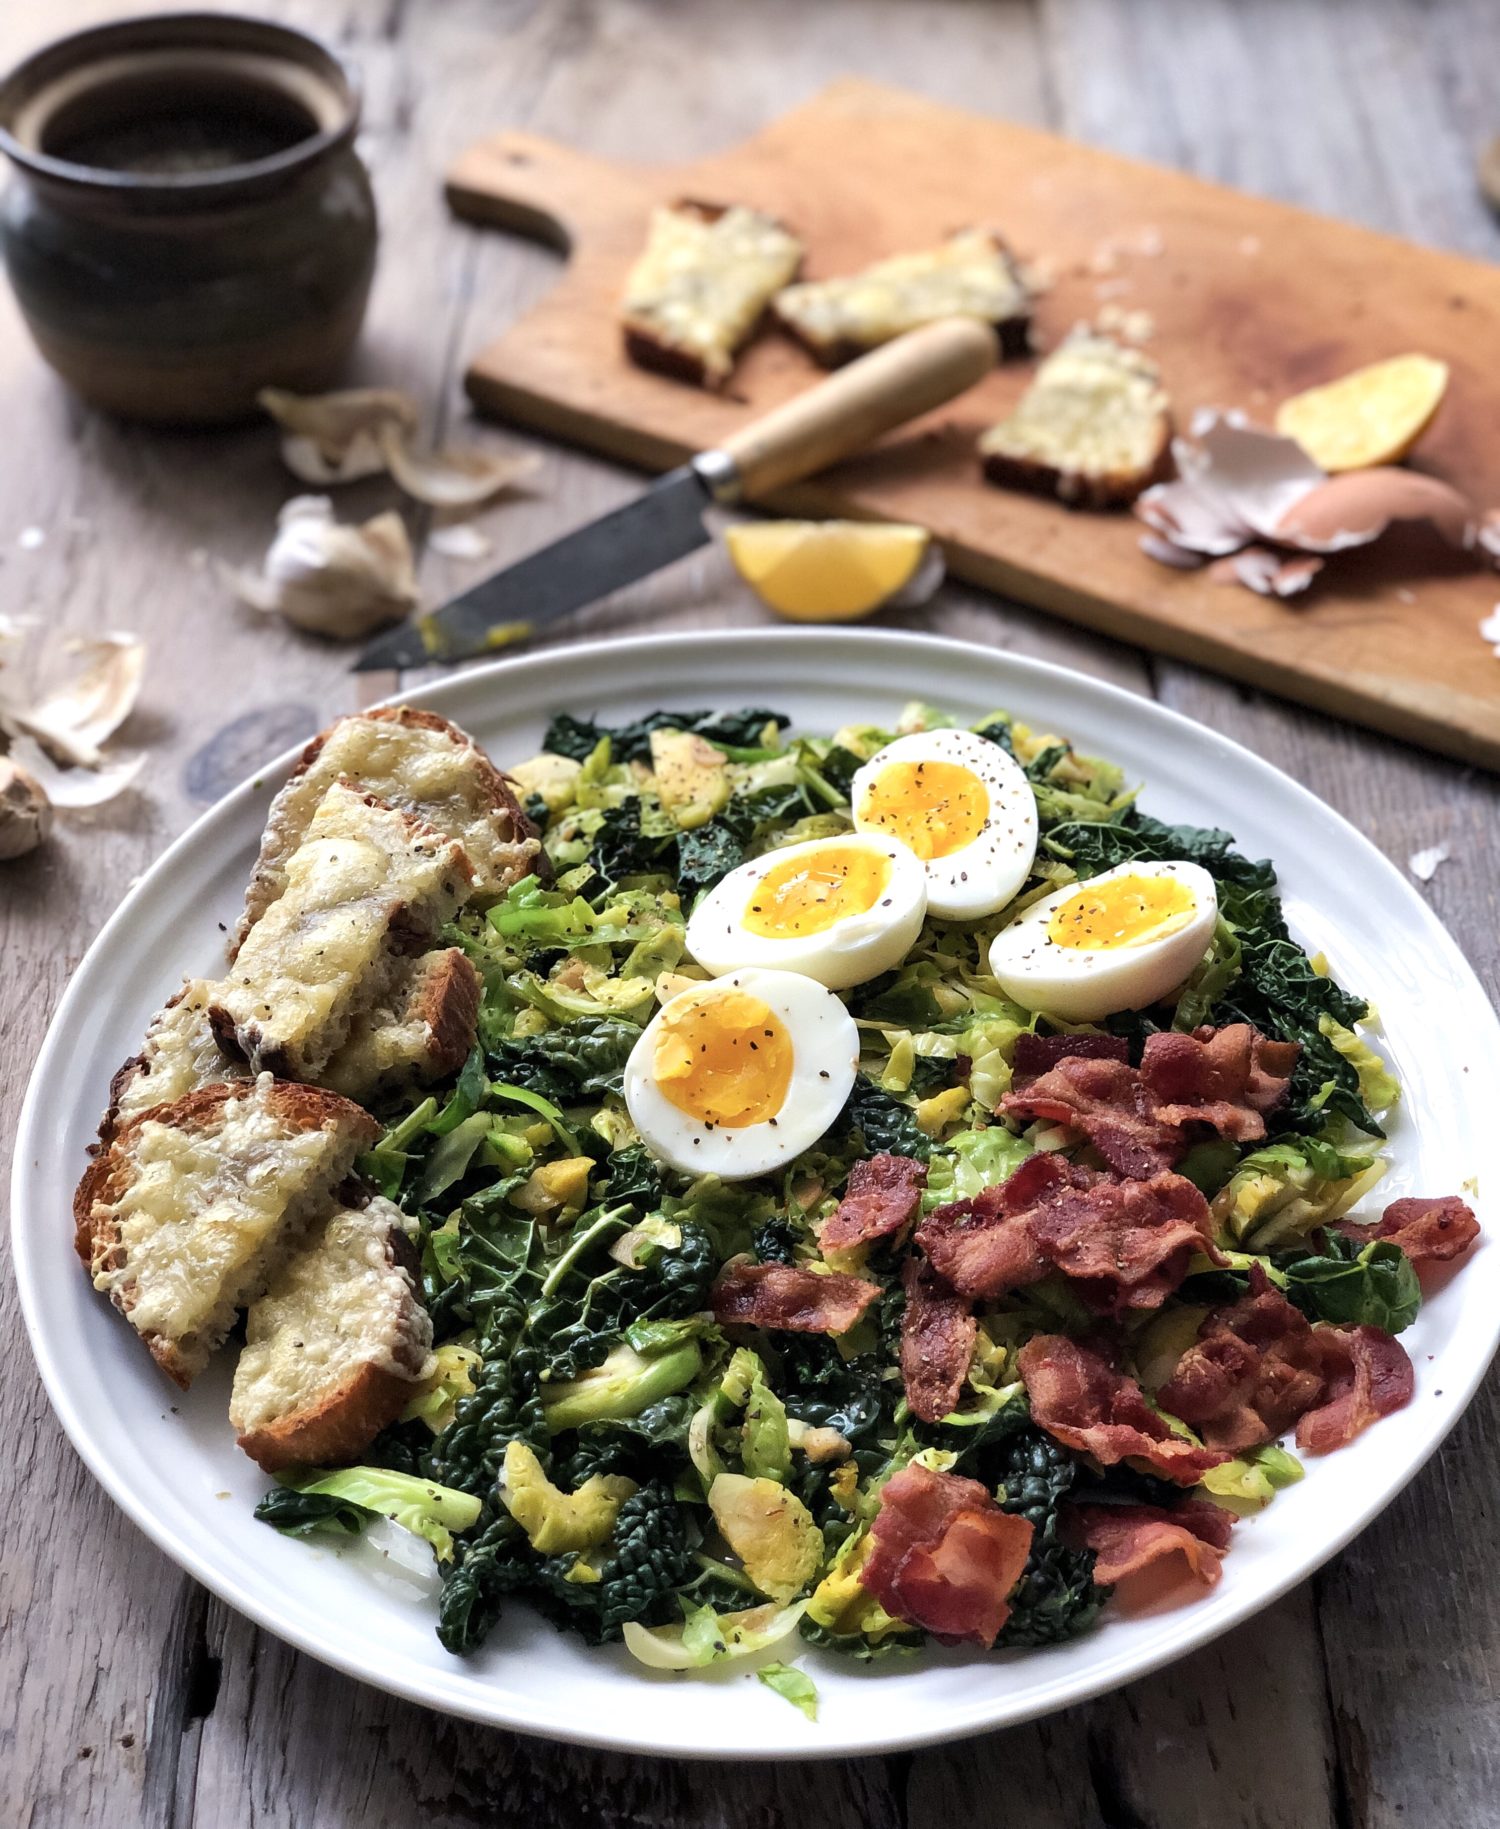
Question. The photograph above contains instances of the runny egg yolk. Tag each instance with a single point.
(807, 895)
(724, 1060)
(1128, 911)
(933, 808)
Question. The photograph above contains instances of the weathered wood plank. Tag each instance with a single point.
(192, 1714)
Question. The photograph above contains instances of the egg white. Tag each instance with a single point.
(825, 1060)
(982, 876)
(1082, 984)
(846, 952)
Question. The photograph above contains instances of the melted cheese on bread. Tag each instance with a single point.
(703, 281)
(970, 275)
(366, 883)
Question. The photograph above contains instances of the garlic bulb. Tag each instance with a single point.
(336, 580)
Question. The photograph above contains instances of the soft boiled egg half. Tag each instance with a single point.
(1120, 941)
(840, 910)
(962, 806)
(738, 1076)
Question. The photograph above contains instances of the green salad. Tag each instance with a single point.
(905, 1378)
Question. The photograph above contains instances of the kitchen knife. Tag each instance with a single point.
(839, 416)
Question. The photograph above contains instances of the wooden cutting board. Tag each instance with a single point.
(1249, 301)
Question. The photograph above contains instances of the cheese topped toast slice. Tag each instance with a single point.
(972, 274)
(418, 763)
(1093, 429)
(701, 285)
(193, 1205)
(422, 1030)
(334, 1348)
(368, 885)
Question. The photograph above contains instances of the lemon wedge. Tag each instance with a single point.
(827, 571)
(1373, 416)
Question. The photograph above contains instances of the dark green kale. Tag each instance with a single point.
(579, 737)
(578, 1061)
(632, 1177)
(649, 1559)
(883, 1121)
(621, 849)
(1056, 1598)
(999, 731)
(1041, 765)
(305, 1514)
(535, 809)
(776, 1241)
(931, 1073)
(635, 1445)
(839, 767)
(709, 852)
(855, 1645)
(1351, 1284)
(490, 1563)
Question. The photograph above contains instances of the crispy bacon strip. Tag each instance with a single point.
(1368, 1375)
(882, 1195)
(1137, 1547)
(1107, 1102)
(944, 1556)
(983, 1247)
(1227, 1078)
(1256, 1367)
(1126, 1244)
(1430, 1230)
(937, 1341)
(790, 1298)
(1036, 1054)
(1083, 1402)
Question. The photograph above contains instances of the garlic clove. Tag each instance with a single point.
(71, 722)
(25, 811)
(342, 581)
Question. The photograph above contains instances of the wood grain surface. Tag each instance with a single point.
(1367, 1698)
(1248, 301)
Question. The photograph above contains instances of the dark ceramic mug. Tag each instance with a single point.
(189, 221)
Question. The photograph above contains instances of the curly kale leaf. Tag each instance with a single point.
(883, 1121)
(650, 1558)
(1056, 1598)
(632, 1177)
(579, 737)
(776, 1241)
(487, 1567)
(578, 1061)
(504, 1406)
(633, 1445)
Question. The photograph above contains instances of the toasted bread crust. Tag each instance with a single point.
(449, 1006)
(337, 1428)
(105, 1180)
(1075, 488)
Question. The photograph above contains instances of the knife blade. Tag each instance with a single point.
(841, 415)
(632, 541)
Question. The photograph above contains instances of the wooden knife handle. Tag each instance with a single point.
(851, 409)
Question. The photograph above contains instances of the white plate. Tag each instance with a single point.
(170, 1460)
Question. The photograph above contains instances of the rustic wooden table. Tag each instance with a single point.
(1368, 1696)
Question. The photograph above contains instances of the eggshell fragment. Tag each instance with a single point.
(1357, 507)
